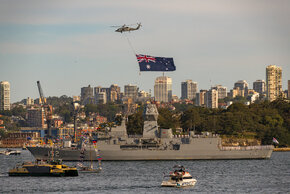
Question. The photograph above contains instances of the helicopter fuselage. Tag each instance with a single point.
(127, 29)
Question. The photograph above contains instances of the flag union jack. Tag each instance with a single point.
(145, 58)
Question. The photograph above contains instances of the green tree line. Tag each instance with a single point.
(263, 121)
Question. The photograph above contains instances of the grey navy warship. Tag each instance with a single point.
(154, 144)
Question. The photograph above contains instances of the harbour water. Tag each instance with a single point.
(213, 176)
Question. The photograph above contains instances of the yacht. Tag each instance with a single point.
(179, 178)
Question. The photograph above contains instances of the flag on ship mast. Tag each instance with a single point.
(150, 63)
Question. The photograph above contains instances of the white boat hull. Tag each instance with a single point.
(188, 183)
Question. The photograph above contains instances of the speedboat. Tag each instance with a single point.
(43, 168)
(10, 152)
(179, 178)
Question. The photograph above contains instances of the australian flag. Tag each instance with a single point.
(149, 63)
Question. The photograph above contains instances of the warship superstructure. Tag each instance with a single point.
(157, 144)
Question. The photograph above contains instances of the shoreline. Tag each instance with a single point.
(281, 149)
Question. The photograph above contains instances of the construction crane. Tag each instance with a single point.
(47, 109)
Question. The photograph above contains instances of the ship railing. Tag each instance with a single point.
(262, 147)
(197, 136)
(47, 146)
(135, 136)
(181, 136)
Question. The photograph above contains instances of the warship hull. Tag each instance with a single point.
(191, 149)
(196, 149)
(66, 154)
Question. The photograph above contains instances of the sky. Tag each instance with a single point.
(69, 44)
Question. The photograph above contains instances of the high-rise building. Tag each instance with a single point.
(115, 91)
(29, 101)
(253, 96)
(243, 86)
(143, 94)
(200, 98)
(97, 90)
(163, 89)
(108, 93)
(87, 95)
(236, 92)
(211, 98)
(35, 117)
(101, 95)
(188, 90)
(131, 91)
(273, 82)
(288, 89)
(259, 86)
(101, 98)
(4, 95)
(222, 91)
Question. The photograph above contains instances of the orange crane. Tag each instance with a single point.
(47, 109)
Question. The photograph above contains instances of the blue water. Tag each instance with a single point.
(213, 176)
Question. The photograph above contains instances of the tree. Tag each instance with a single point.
(59, 101)
(109, 110)
(182, 107)
(190, 119)
(237, 107)
(6, 113)
(3, 134)
(91, 108)
(167, 119)
(65, 111)
(19, 111)
(118, 119)
(135, 124)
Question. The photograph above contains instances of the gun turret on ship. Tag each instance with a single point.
(161, 144)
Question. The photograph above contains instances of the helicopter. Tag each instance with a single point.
(126, 28)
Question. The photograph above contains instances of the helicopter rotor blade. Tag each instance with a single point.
(133, 24)
(139, 23)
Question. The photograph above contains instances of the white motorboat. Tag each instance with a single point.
(10, 152)
(179, 178)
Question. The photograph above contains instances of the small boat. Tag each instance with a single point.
(43, 168)
(10, 152)
(2, 153)
(89, 169)
(179, 178)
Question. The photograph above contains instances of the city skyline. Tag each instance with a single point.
(68, 45)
